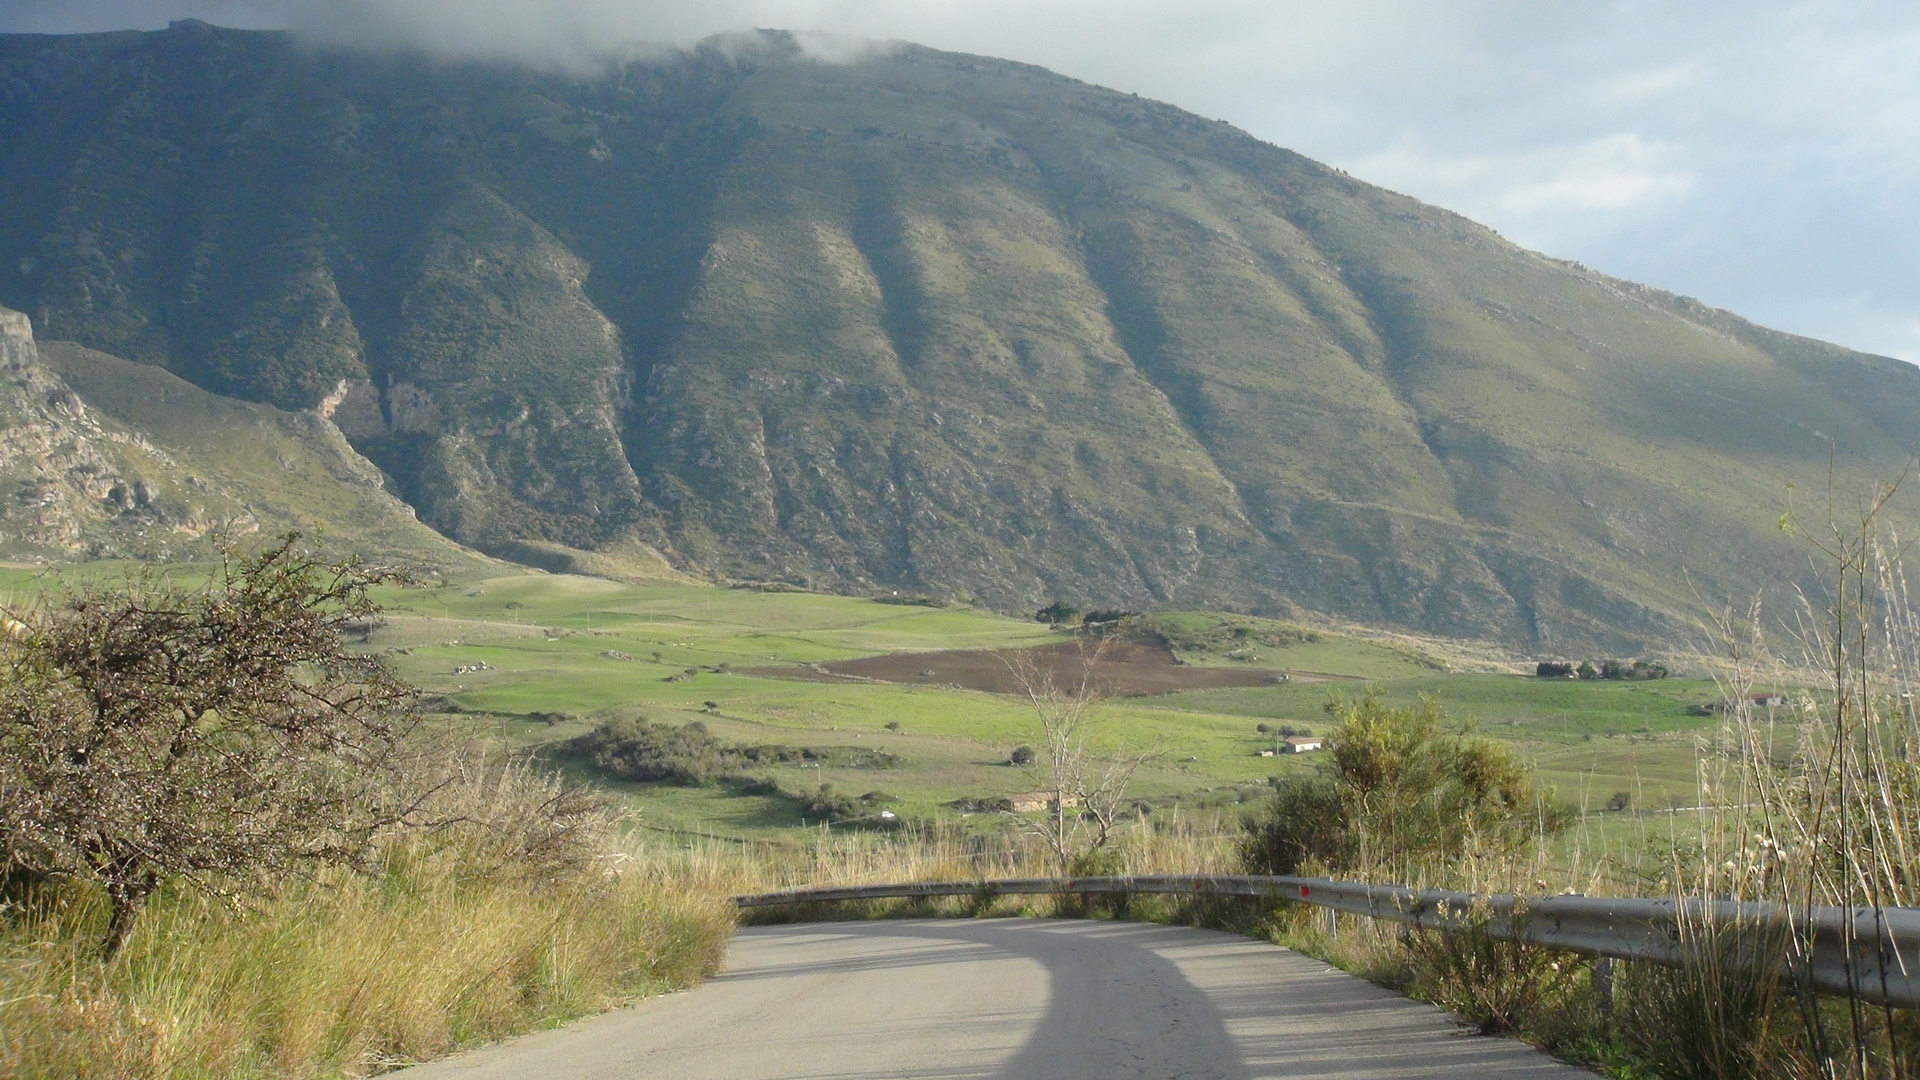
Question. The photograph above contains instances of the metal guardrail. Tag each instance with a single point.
(1870, 953)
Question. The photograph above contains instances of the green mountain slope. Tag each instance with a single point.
(104, 458)
(921, 321)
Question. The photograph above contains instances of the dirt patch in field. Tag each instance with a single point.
(1128, 670)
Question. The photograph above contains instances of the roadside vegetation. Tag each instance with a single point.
(230, 848)
(449, 938)
(554, 822)
(1807, 799)
(1805, 795)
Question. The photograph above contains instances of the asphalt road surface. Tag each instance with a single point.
(1012, 999)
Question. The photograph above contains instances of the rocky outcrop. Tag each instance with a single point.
(354, 408)
(16, 341)
(73, 485)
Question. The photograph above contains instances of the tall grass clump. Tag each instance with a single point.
(523, 908)
(1815, 802)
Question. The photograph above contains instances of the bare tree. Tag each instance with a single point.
(1085, 792)
(210, 735)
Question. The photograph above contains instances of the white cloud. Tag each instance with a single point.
(1610, 176)
(1652, 84)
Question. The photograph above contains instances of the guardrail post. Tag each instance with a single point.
(1600, 978)
(1333, 921)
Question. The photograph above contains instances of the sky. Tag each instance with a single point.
(1761, 155)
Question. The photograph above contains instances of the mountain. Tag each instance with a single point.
(918, 321)
(104, 458)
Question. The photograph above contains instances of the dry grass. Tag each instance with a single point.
(1172, 844)
(458, 938)
(526, 911)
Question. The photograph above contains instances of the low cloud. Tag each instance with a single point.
(1534, 192)
(544, 32)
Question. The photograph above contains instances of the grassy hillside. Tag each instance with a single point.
(923, 321)
(285, 470)
(102, 458)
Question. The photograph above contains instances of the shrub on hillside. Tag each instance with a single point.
(826, 804)
(1306, 824)
(1193, 633)
(1632, 670)
(690, 755)
(982, 804)
(1058, 613)
(650, 753)
(1621, 670)
(910, 601)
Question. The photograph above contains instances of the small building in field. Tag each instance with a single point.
(1302, 744)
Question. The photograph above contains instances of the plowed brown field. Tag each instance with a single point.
(1130, 669)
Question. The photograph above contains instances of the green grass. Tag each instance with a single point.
(1589, 739)
(552, 645)
(1511, 706)
(546, 638)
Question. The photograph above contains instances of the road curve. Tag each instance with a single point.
(1010, 999)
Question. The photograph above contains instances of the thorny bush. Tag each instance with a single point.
(210, 735)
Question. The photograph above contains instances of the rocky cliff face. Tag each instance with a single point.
(923, 321)
(71, 485)
(16, 341)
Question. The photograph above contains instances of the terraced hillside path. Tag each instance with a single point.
(1019, 999)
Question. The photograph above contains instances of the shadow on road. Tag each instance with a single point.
(1140, 1000)
(1115, 1006)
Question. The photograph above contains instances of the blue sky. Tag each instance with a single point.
(1763, 156)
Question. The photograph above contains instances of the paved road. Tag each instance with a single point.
(1015, 999)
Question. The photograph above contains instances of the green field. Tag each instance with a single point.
(548, 656)
(561, 652)
(1590, 739)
